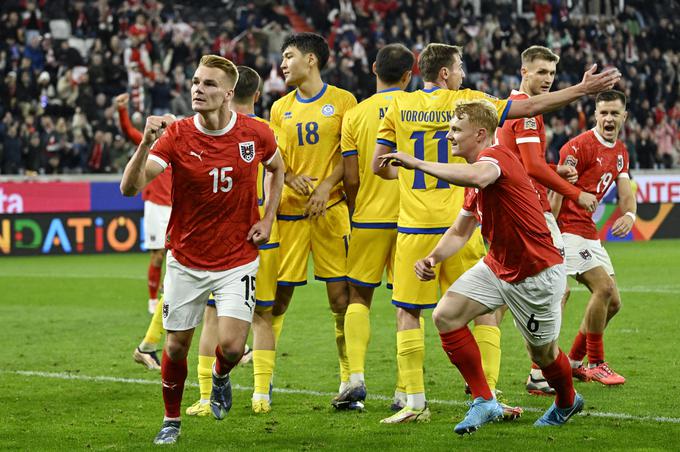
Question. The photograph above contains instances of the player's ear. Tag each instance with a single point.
(373, 69)
(406, 78)
(444, 73)
(523, 71)
(256, 97)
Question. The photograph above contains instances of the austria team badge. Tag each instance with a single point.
(619, 163)
(247, 151)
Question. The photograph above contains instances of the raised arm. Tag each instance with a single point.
(126, 126)
(592, 83)
(139, 171)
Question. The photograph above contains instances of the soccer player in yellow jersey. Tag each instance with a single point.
(313, 213)
(417, 124)
(375, 203)
(246, 94)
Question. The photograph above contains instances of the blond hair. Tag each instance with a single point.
(539, 53)
(480, 113)
(436, 56)
(216, 61)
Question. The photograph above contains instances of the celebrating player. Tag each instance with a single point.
(600, 159)
(313, 215)
(214, 227)
(526, 137)
(523, 269)
(246, 93)
(375, 204)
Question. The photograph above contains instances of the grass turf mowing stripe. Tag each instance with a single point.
(105, 378)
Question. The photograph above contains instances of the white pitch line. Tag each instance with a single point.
(105, 378)
(666, 289)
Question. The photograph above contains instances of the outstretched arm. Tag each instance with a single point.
(478, 175)
(592, 83)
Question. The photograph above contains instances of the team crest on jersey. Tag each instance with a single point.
(619, 163)
(328, 110)
(247, 151)
(530, 124)
(571, 160)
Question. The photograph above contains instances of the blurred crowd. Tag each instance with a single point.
(62, 62)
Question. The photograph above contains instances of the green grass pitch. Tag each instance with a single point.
(67, 379)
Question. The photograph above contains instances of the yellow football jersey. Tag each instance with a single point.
(416, 124)
(377, 202)
(311, 129)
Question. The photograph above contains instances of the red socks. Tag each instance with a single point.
(578, 348)
(463, 352)
(595, 348)
(222, 366)
(559, 377)
(173, 375)
(154, 280)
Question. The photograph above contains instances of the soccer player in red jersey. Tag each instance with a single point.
(215, 227)
(157, 204)
(526, 138)
(523, 269)
(600, 159)
(157, 209)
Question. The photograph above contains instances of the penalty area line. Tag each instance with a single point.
(143, 381)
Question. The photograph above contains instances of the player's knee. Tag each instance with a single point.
(443, 321)
(232, 352)
(606, 289)
(176, 349)
(543, 355)
(614, 306)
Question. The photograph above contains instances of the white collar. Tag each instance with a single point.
(215, 133)
(602, 140)
(515, 92)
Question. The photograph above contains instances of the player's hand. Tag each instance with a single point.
(622, 226)
(398, 159)
(154, 128)
(588, 201)
(301, 183)
(568, 172)
(259, 232)
(122, 100)
(316, 205)
(595, 83)
(425, 269)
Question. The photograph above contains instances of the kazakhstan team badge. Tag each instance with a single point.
(328, 110)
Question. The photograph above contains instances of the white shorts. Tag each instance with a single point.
(554, 232)
(534, 301)
(582, 255)
(187, 291)
(156, 219)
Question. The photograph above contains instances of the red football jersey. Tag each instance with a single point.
(599, 163)
(525, 130)
(214, 189)
(520, 244)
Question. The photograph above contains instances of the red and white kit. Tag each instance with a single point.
(214, 194)
(599, 164)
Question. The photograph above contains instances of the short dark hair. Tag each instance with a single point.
(436, 56)
(309, 43)
(392, 62)
(612, 94)
(247, 85)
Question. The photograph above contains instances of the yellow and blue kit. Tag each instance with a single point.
(311, 130)
(374, 221)
(417, 124)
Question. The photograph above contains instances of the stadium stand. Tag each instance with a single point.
(62, 62)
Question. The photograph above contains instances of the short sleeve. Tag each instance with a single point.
(569, 154)
(526, 130)
(387, 135)
(502, 105)
(470, 202)
(348, 144)
(269, 142)
(161, 149)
